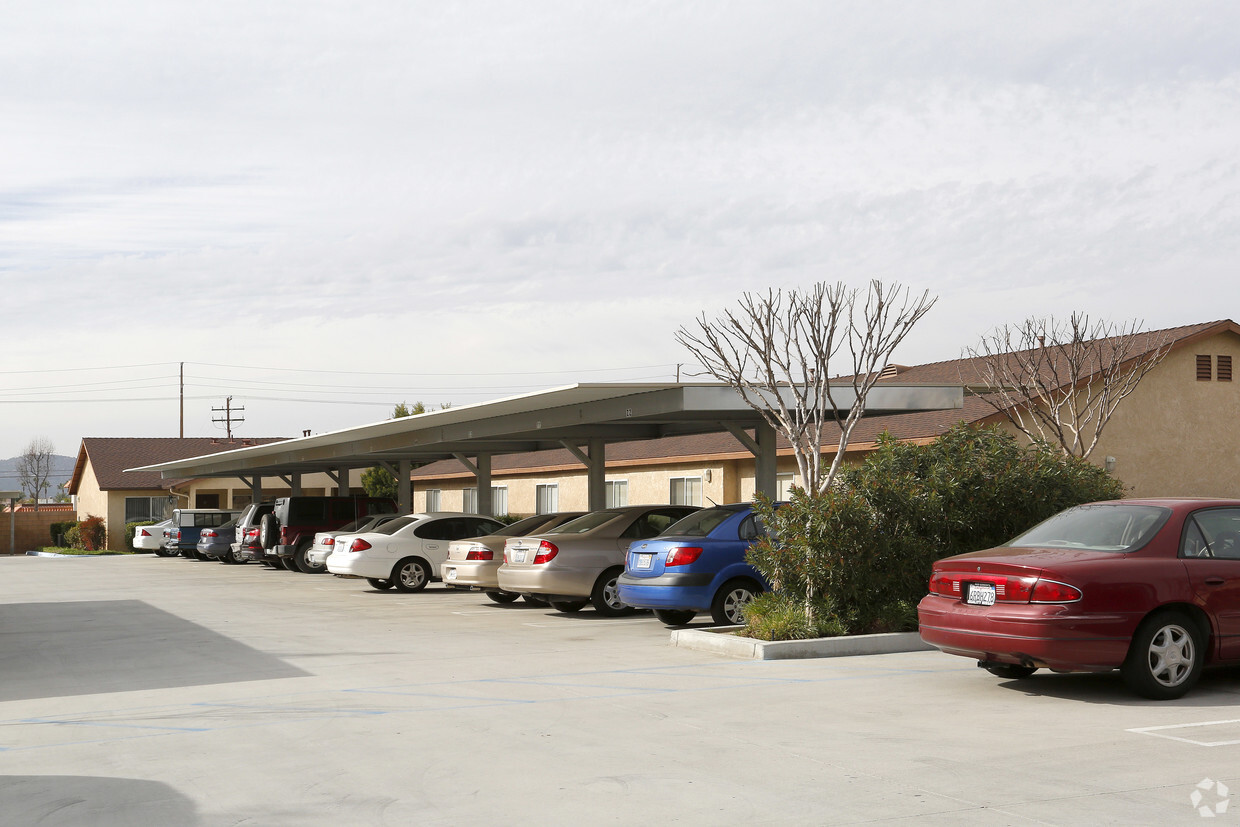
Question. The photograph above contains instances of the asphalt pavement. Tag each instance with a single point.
(149, 691)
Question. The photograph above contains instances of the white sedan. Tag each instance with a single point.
(407, 552)
(325, 541)
(150, 537)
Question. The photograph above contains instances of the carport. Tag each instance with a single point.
(583, 418)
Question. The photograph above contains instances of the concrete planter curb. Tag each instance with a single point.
(722, 641)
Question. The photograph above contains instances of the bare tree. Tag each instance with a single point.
(777, 349)
(1060, 381)
(34, 468)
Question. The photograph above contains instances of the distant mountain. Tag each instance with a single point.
(62, 472)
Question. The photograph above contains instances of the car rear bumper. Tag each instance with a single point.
(483, 574)
(356, 564)
(645, 594)
(562, 581)
(1054, 636)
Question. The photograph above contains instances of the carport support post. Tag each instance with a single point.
(404, 486)
(762, 446)
(481, 468)
(333, 474)
(293, 481)
(596, 471)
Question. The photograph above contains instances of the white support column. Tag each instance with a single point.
(481, 469)
(595, 462)
(763, 449)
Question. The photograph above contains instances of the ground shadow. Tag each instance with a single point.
(55, 800)
(1216, 684)
(50, 650)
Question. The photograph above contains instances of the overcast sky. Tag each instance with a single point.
(354, 204)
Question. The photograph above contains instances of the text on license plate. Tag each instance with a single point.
(981, 594)
(643, 560)
(451, 574)
(518, 556)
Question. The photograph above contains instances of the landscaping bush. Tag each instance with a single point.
(861, 552)
(92, 533)
(73, 536)
(57, 530)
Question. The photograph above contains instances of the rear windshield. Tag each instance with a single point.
(700, 523)
(589, 522)
(522, 527)
(394, 526)
(1096, 528)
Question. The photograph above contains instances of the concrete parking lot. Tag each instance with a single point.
(141, 690)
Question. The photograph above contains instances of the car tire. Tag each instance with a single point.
(380, 585)
(675, 617)
(605, 596)
(236, 558)
(269, 531)
(568, 606)
(502, 597)
(303, 562)
(289, 564)
(727, 609)
(535, 599)
(1165, 657)
(1011, 671)
(411, 575)
(166, 552)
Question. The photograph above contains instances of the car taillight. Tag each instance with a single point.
(944, 584)
(546, 553)
(176, 535)
(283, 536)
(208, 533)
(359, 545)
(682, 556)
(329, 541)
(1050, 591)
(251, 533)
(480, 553)
(146, 533)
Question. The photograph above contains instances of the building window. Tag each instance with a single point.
(432, 499)
(783, 487)
(617, 493)
(1224, 369)
(547, 498)
(686, 491)
(140, 509)
(1203, 368)
(499, 500)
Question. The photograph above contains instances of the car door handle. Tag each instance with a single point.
(1215, 581)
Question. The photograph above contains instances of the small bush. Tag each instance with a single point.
(73, 536)
(93, 533)
(779, 616)
(57, 530)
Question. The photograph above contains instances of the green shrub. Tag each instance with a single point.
(862, 551)
(61, 528)
(73, 536)
(781, 616)
(379, 482)
(93, 533)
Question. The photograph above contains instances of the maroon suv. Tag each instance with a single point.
(288, 531)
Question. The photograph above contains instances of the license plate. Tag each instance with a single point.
(451, 574)
(518, 555)
(981, 594)
(643, 560)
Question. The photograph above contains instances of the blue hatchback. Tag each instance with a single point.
(697, 565)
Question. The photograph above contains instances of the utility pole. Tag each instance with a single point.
(228, 418)
(182, 400)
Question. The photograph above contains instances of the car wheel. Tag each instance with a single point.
(381, 585)
(269, 531)
(303, 562)
(290, 564)
(568, 606)
(1013, 671)
(606, 595)
(165, 552)
(411, 575)
(728, 607)
(502, 597)
(1165, 658)
(674, 617)
(534, 599)
(234, 557)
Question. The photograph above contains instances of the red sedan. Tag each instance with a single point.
(1150, 587)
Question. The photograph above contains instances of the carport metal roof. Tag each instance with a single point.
(571, 416)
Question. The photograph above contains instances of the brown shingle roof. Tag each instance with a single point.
(110, 456)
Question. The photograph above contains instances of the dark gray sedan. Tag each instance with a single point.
(213, 543)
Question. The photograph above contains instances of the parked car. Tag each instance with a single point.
(325, 541)
(288, 531)
(1150, 587)
(407, 552)
(215, 543)
(151, 537)
(697, 565)
(186, 525)
(247, 547)
(474, 564)
(581, 561)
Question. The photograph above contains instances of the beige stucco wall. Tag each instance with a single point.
(1176, 436)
